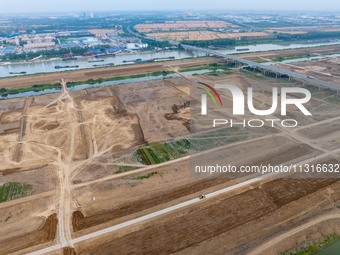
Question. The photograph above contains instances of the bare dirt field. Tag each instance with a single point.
(26, 222)
(271, 55)
(325, 69)
(82, 152)
(182, 233)
(324, 135)
(132, 195)
(206, 35)
(181, 25)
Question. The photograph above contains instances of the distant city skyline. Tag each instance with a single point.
(41, 6)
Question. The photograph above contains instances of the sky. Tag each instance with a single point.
(39, 6)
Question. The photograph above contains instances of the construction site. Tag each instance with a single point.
(109, 170)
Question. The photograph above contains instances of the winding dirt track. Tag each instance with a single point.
(273, 241)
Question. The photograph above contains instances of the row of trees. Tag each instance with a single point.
(308, 36)
(215, 43)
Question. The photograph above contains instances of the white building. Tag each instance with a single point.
(136, 46)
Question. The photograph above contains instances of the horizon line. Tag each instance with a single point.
(170, 10)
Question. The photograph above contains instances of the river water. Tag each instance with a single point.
(103, 84)
(333, 249)
(48, 66)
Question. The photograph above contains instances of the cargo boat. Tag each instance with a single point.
(69, 59)
(59, 67)
(17, 72)
(242, 49)
(94, 61)
(103, 65)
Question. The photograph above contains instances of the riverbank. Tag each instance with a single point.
(47, 60)
(127, 59)
(43, 89)
(323, 247)
(104, 73)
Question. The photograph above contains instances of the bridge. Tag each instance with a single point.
(265, 68)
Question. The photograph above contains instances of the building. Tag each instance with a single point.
(38, 42)
(136, 46)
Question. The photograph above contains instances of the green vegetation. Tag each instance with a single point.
(123, 169)
(159, 152)
(261, 61)
(308, 36)
(12, 190)
(215, 43)
(147, 176)
(118, 78)
(313, 248)
(5, 92)
(280, 59)
(159, 44)
(213, 67)
(213, 74)
(45, 53)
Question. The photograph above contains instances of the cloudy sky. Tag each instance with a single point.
(12, 6)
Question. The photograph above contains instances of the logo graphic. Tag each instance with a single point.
(239, 99)
(204, 96)
(280, 100)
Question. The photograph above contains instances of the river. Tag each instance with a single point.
(103, 84)
(332, 249)
(48, 66)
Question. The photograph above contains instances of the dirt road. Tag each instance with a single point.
(273, 241)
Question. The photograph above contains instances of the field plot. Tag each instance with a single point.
(12, 190)
(225, 216)
(79, 161)
(62, 135)
(45, 233)
(181, 25)
(148, 189)
(206, 35)
(292, 53)
(156, 153)
(326, 136)
(326, 69)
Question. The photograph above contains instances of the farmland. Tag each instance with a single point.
(207, 35)
(96, 158)
(12, 190)
(181, 25)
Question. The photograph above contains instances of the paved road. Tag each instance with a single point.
(307, 79)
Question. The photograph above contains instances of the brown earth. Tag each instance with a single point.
(197, 225)
(182, 25)
(77, 137)
(271, 55)
(323, 69)
(46, 233)
(144, 197)
(69, 251)
(206, 35)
